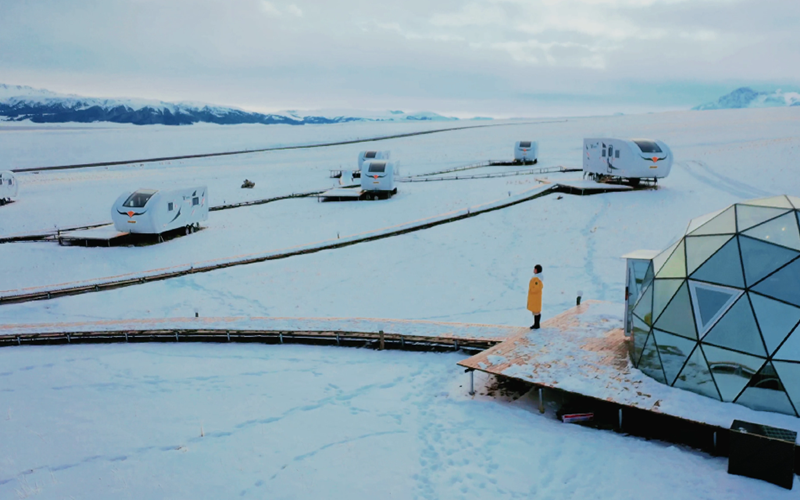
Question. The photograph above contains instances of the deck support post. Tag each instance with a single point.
(715, 441)
(126, 337)
(280, 336)
(69, 340)
(472, 382)
(380, 340)
(402, 342)
(338, 342)
(620, 419)
(176, 336)
(229, 335)
(541, 400)
(19, 342)
(455, 345)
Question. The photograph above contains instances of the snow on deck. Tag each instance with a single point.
(466, 331)
(584, 351)
(102, 233)
(342, 193)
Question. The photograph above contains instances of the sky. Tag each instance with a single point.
(500, 58)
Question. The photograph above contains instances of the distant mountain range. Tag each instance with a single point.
(746, 97)
(18, 103)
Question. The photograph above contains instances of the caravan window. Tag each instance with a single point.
(370, 154)
(604, 152)
(170, 206)
(648, 146)
(377, 167)
(139, 198)
(195, 201)
(616, 154)
(525, 144)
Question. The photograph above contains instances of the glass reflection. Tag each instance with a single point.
(695, 376)
(765, 392)
(731, 370)
(650, 363)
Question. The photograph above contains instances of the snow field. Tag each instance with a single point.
(218, 421)
(474, 270)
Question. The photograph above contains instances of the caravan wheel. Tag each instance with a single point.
(188, 230)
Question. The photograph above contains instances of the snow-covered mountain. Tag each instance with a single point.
(746, 97)
(19, 103)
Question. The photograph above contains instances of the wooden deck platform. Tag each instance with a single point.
(96, 235)
(584, 352)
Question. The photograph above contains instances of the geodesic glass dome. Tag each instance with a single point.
(718, 311)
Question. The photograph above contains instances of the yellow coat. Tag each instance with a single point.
(535, 295)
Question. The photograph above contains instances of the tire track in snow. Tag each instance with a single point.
(703, 173)
(340, 397)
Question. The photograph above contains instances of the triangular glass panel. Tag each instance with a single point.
(724, 223)
(790, 350)
(695, 376)
(795, 201)
(737, 330)
(644, 308)
(760, 259)
(700, 248)
(772, 201)
(724, 267)
(675, 266)
(747, 216)
(640, 332)
(710, 303)
(677, 318)
(660, 259)
(790, 377)
(783, 285)
(663, 291)
(765, 392)
(650, 363)
(673, 350)
(775, 320)
(699, 221)
(731, 370)
(637, 273)
(649, 275)
(781, 231)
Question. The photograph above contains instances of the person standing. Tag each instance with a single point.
(535, 296)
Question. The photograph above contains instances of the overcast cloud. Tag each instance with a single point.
(490, 57)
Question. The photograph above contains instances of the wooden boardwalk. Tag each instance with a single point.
(361, 332)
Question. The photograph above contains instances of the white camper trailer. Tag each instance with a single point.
(377, 179)
(371, 155)
(629, 159)
(8, 187)
(526, 151)
(151, 211)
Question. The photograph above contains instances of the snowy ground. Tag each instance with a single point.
(479, 266)
(473, 271)
(254, 421)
